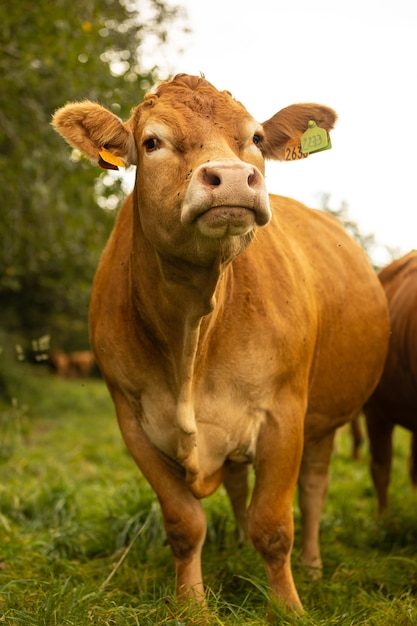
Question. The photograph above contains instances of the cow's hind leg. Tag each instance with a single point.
(380, 447)
(313, 484)
(357, 436)
(236, 483)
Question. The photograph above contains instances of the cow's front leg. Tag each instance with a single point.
(313, 485)
(184, 517)
(270, 514)
(185, 527)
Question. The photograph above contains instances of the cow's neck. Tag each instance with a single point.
(176, 301)
(172, 296)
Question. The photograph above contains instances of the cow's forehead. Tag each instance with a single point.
(193, 101)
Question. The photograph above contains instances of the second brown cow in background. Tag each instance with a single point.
(395, 398)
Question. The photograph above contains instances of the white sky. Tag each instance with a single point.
(360, 58)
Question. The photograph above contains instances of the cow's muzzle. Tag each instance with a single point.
(226, 198)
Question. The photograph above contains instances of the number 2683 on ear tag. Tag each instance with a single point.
(293, 151)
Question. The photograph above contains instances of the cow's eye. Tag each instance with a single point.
(257, 139)
(151, 144)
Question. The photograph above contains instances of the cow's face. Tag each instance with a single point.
(200, 177)
(200, 191)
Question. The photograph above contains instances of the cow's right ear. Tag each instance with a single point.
(97, 133)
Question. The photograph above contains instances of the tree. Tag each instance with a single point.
(51, 225)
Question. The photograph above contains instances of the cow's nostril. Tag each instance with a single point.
(211, 179)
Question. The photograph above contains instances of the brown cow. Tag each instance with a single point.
(78, 364)
(58, 362)
(81, 364)
(223, 343)
(394, 401)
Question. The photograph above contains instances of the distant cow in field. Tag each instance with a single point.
(58, 362)
(232, 327)
(394, 401)
(79, 364)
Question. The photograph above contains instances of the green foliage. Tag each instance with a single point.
(82, 538)
(52, 228)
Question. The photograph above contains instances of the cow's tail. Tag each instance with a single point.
(413, 459)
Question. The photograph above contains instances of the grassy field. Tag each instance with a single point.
(82, 541)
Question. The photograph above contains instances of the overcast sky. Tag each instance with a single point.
(359, 57)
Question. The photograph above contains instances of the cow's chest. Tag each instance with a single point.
(228, 415)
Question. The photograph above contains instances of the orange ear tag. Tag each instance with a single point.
(108, 157)
(293, 151)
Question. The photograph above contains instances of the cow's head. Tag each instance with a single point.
(200, 186)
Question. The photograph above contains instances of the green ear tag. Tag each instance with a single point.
(315, 139)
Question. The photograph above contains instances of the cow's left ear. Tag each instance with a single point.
(290, 123)
(97, 133)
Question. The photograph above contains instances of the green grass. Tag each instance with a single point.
(82, 540)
